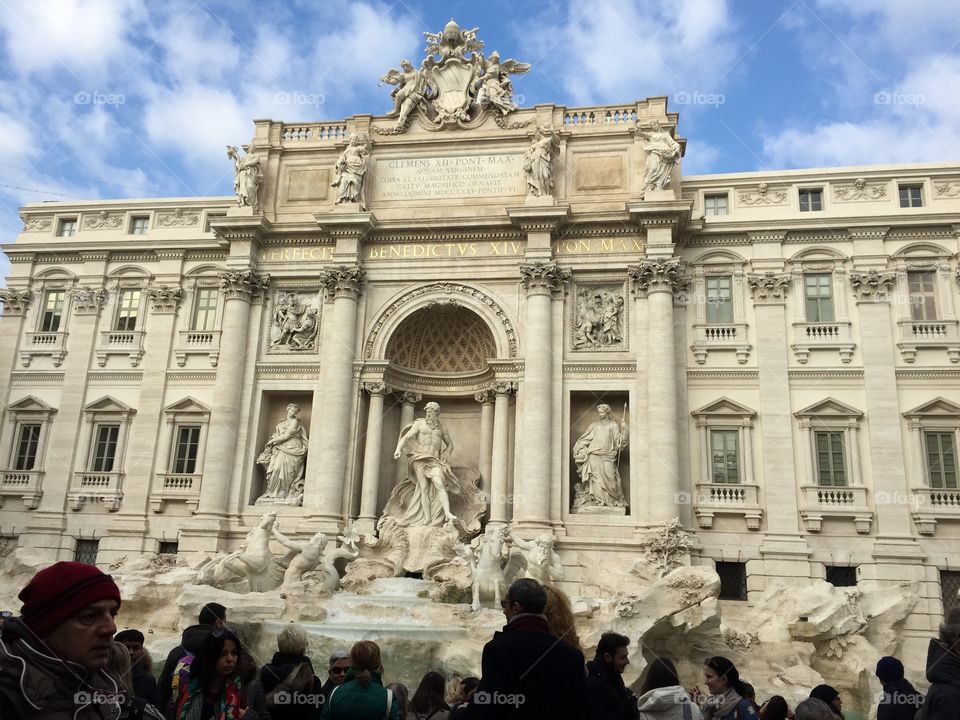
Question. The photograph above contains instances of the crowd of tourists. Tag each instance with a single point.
(62, 658)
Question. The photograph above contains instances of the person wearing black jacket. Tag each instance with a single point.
(287, 685)
(609, 697)
(527, 672)
(144, 684)
(943, 671)
(212, 617)
(900, 700)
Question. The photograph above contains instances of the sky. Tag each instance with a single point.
(131, 98)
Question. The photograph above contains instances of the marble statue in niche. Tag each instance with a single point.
(247, 176)
(431, 495)
(284, 458)
(295, 323)
(598, 320)
(597, 456)
(350, 171)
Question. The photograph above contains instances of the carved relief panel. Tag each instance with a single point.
(598, 318)
(294, 321)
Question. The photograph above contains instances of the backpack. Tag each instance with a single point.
(180, 679)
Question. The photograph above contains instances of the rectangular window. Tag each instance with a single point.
(923, 298)
(715, 205)
(168, 548)
(911, 196)
(811, 200)
(941, 459)
(28, 442)
(733, 580)
(818, 292)
(185, 449)
(205, 313)
(719, 300)
(86, 551)
(128, 310)
(67, 227)
(831, 469)
(841, 575)
(105, 447)
(950, 589)
(139, 224)
(52, 310)
(725, 454)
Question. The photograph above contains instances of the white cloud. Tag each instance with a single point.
(608, 51)
(76, 36)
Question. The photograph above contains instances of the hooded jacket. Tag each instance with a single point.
(292, 691)
(190, 643)
(900, 701)
(608, 696)
(943, 672)
(36, 685)
(667, 703)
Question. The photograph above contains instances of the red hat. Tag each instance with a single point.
(62, 590)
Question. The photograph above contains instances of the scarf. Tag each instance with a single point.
(719, 706)
(227, 707)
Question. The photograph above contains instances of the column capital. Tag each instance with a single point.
(15, 301)
(243, 284)
(485, 397)
(408, 397)
(88, 300)
(164, 299)
(543, 278)
(504, 387)
(653, 276)
(343, 281)
(376, 387)
(872, 286)
(769, 288)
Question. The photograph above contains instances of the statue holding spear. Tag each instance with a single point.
(597, 456)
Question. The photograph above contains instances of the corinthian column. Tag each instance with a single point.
(532, 491)
(485, 398)
(335, 394)
(371, 456)
(238, 288)
(500, 460)
(659, 280)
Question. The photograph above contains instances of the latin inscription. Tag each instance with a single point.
(319, 253)
(437, 178)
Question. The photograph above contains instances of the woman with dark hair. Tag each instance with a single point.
(460, 707)
(362, 695)
(213, 692)
(662, 697)
(428, 702)
(726, 700)
(775, 708)
(831, 697)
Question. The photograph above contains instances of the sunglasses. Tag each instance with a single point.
(337, 670)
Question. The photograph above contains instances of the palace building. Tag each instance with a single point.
(781, 349)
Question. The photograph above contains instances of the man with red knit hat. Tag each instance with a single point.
(53, 657)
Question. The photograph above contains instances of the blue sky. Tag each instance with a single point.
(130, 98)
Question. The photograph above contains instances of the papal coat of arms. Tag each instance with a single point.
(455, 85)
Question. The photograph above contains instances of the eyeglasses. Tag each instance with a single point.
(5, 614)
(337, 670)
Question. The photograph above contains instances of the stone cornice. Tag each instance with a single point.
(769, 288)
(872, 285)
(346, 224)
(868, 233)
(599, 368)
(343, 281)
(722, 376)
(539, 218)
(543, 278)
(232, 227)
(653, 276)
(243, 284)
(767, 236)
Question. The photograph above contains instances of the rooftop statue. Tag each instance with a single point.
(248, 176)
(455, 84)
